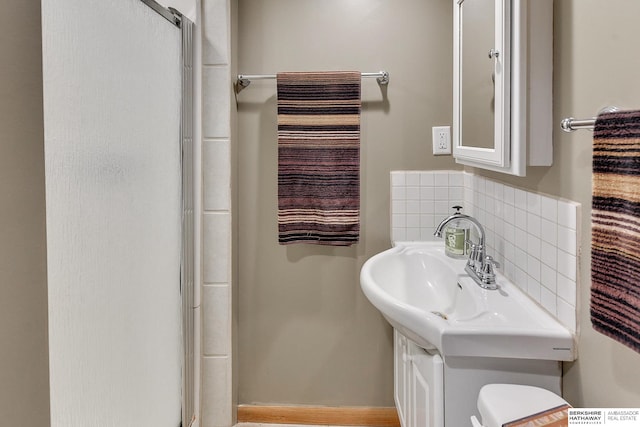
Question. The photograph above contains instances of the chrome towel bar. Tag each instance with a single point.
(244, 80)
(570, 124)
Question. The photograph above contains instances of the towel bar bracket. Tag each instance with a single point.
(382, 77)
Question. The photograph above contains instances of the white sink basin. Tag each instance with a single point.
(428, 298)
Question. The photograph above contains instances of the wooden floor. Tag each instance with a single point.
(256, 416)
(285, 425)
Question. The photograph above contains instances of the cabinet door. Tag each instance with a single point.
(502, 84)
(482, 74)
(427, 394)
(401, 377)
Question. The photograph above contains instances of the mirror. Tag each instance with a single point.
(502, 84)
(477, 76)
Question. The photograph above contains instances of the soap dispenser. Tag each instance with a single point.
(455, 237)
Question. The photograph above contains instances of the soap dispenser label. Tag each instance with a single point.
(455, 239)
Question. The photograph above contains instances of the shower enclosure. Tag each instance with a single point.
(118, 159)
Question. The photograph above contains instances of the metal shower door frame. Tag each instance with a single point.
(187, 268)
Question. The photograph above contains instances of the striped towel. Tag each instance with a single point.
(615, 217)
(319, 158)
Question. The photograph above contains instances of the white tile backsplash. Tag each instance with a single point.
(567, 216)
(412, 179)
(398, 179)
(533, 236)
(548, 208)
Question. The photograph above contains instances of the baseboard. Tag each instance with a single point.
(319, 415)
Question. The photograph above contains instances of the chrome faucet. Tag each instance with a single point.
(479, 266)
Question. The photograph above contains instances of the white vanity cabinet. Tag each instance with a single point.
(434, 392)
(418, 382)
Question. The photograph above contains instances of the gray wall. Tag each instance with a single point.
(307, 334)
(24, 373)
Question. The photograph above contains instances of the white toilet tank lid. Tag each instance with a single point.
(499, 404)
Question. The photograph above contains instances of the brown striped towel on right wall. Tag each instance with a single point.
(615, 224)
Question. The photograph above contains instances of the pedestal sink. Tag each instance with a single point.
(452, 336)
(426, 296)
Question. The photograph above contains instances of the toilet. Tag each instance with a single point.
(504, 404)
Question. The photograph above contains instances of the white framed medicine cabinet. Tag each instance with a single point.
(502, 84)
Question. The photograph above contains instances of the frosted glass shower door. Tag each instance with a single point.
(112, 90)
